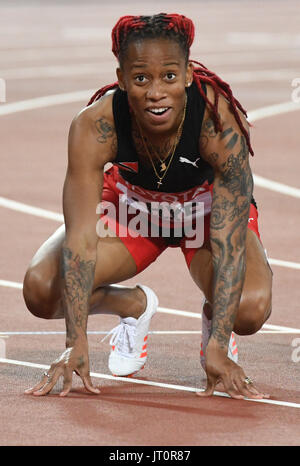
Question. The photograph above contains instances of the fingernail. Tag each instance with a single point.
(94, 389)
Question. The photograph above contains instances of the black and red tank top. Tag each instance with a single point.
(187, 169)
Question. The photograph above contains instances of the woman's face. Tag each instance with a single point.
(154, 73)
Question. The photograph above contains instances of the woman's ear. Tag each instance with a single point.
(120, 79)
(189, 74)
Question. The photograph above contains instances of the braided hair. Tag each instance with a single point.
(181, 30)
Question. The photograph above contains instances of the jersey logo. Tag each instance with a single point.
(184, 160)
(132, 167)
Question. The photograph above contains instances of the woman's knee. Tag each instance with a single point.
(38, 293)
(252, 314)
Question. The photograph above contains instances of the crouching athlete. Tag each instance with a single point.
(171, 130)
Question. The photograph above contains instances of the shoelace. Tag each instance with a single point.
(123, 338)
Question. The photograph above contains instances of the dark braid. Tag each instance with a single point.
(202, 74)
(98, 94)
(180, 29)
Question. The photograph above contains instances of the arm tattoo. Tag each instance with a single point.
(105, 130)
(230, 145)
(228, 228)
(208, 128)
(77, 283)
(226, 132)
(107, 134)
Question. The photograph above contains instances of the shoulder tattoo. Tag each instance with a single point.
(105, 130)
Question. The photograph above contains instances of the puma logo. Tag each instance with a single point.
(184, 160)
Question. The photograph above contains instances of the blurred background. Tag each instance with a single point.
(53, 56)
(61, 51)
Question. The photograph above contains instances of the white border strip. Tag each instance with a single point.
(151, 332)
(288, 264)
(38, 212)
(93, 68)
(166, 310)
(78, 96)
(100, 332)
(198, 316)
(275, 186)
(85, 95)
(152, 384)
(273, 110)
(10, 284)
(46, 101)
(27, 209)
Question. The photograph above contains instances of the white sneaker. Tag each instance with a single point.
(206, 331)
(129, 340)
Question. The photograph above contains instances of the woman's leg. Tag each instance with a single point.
(256, 298)
(114, 264)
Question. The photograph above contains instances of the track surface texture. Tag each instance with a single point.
(58, 48)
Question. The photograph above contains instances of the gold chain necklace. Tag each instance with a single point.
(163, 166)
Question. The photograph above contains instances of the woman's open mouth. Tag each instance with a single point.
(159, 114)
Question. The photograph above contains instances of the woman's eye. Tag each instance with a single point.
(170, 76)
(140, 79)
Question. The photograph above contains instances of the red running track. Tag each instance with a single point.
(53, 49)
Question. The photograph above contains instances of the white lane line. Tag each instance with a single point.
(149, 383)
(100, 332)
(34, 54)
(22, 55)
(28, 209)
(288, 264)
(38, 212)
(249, 76)
(54, 71)
(46, 101)
(275, 186)
(166, 310)
(10, 284)
(84, 95)
(151, 332)
(197, 315)
(178, 312)
(263, 39)
(254, 115)
(273, 110)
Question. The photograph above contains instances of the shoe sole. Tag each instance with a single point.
(129, 375)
